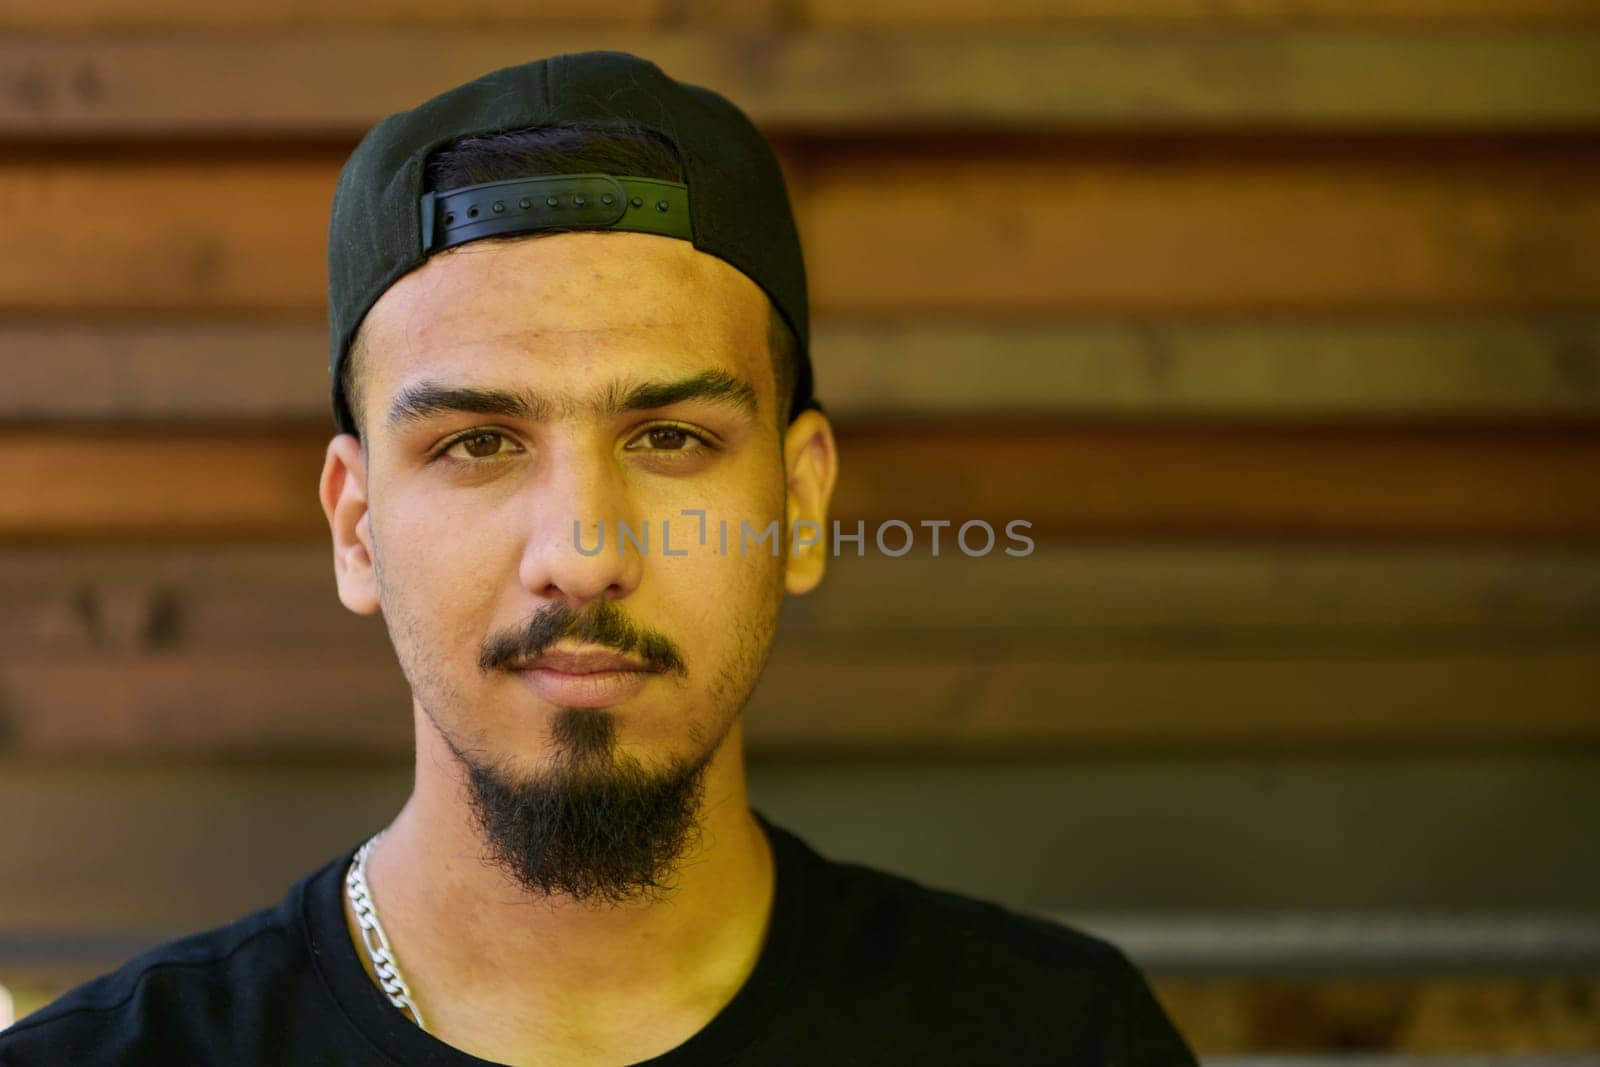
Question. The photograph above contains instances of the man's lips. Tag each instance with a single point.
(595, 661)
(584, 679)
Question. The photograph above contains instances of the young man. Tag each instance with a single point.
(578, 438)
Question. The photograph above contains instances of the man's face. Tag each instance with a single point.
(646, 366)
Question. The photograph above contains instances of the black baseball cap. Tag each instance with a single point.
(733, 205)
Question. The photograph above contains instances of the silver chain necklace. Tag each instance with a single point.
(373, 937)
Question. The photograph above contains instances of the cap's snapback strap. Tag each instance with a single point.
(519, 205)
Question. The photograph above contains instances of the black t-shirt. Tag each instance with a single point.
(859, 966)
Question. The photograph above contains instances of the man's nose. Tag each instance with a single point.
(579, 505)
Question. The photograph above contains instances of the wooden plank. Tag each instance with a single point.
(1443, 13)
(172, 369)
(1185, 232)
(1331, 482)
(264, 16)
(996, 233)
(248, 654)
(1472, 367)
(338, 83)
(1521, 1018)
(118, 484)
(1531, 484)
(1400, 941)
(1030, 701)
(259, 15)
(247, 234)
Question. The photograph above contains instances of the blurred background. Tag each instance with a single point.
(1278, 319)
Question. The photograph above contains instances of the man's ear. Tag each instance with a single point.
(343, 491)
(811, 463)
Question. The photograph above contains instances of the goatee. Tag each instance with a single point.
(597, 825)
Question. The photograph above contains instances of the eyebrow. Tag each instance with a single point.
(429, 398)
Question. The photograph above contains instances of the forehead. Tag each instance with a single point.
(568, 305)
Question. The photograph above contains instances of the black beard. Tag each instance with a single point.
(598, 825)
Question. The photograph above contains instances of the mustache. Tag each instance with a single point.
(601, 623)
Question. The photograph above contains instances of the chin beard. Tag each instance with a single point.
(596, 826)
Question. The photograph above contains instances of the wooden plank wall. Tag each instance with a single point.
(1279, 320)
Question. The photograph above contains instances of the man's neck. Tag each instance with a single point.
(516, 977)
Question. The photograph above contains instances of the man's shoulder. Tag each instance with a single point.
(192, 987)
(928, 952)
(917, 918)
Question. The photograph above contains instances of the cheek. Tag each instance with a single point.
(725, 529)
(721, 609)
(716, 516)
(434, 585)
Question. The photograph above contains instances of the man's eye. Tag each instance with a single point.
(480, 444)
(668, 439)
